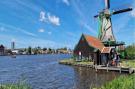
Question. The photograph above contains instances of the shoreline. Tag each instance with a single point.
(120, 69)
(36, 54)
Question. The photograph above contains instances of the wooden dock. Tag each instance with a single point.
(119, 69)
(101, 67)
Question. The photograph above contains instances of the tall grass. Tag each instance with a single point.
(123, 82)
(128, 63)
(20, 85)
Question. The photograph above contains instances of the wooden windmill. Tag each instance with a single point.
(105, 23)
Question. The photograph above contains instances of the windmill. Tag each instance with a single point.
(105, 24)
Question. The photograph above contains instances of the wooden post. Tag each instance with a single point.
(120, 69)
(96, 67)
(130, 70)
(107, 67)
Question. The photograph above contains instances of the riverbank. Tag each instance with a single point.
(125, 65)
(76, 63)
(123, 82)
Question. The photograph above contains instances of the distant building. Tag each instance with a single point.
(91, 48)
(2, 50)
(12, 45)
(15, 51)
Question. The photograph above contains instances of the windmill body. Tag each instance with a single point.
(105, 30)
(105, 24)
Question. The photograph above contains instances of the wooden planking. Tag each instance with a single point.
(120, 69)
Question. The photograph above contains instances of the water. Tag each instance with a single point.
(44, 72)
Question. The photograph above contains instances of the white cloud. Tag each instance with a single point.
(41, 30)
(133, 13)
(49, 33)
(66, 2)
(42, 16)
(16, 29)
(49, 18)
(89, 28)
(26, 32)
(2, 29)
(53, 19)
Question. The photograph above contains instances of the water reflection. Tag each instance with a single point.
(87, 78)
(44, 72)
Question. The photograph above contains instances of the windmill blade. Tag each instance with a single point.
(107, 4)
(121, 11)
(96, 16)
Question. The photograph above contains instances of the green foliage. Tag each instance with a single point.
(123, 82)
(128, 63)
(123, 54)
(130, 51)
(20, 85)
(29, 50)
(44, 49)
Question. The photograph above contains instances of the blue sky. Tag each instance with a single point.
(59, 23)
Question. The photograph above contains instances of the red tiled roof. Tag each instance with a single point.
(94, 42)
(106, 50)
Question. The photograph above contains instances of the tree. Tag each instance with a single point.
(65, 48)
(44, 49)
(39, 48)
(35, 50)
(29, 50)
(130, 50)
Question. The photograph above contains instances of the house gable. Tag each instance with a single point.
(84, 47)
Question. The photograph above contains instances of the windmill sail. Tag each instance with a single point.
(107, 4)
(121, 11)
(105, 25)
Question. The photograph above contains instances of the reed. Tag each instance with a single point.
(123, 82)
(20, 85)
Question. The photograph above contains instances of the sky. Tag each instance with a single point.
(60, 23)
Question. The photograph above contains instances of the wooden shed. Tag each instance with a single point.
(91, 48)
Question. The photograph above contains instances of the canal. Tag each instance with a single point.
(44, 72)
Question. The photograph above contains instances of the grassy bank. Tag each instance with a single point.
(73, 62)
(128, 63)
(15, 86)
(124, 63)
(123, 82)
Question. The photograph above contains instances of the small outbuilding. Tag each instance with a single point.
(2, 50)
(92, 49)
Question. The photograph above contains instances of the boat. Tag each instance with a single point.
(13, 56)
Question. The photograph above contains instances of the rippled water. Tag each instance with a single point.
(44, 72)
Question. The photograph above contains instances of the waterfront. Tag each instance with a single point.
(44, 72)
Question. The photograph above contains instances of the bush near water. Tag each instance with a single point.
(130, 50)
(123, 82)
(15, 86)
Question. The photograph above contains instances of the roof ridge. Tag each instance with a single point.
(94, 42)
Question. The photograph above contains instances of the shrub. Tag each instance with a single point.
(20, 85)
(123, 82)
(130, 50)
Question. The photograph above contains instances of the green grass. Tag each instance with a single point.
(123, 82)
(68, 60)
(128, 63)
(20, 85)
(72, 61)
(85, 63)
